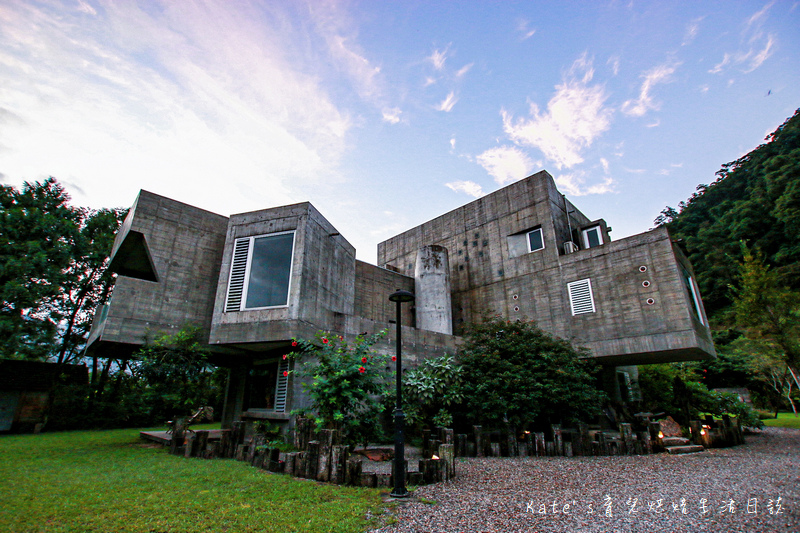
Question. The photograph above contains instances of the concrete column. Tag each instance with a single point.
(432, 290)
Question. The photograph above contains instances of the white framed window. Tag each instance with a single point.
(535, 240)
(261, 272)
(592, 237)
(694, 295)
(581, 299)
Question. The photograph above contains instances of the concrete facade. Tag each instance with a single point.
(254, 281)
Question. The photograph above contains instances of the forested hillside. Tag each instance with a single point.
(755, 199)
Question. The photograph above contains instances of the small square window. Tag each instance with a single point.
(592, 237)
(535, 240)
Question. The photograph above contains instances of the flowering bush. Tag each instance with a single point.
(346, 383)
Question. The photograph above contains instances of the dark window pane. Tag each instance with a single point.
(535, 240)
(593, 237)
(269, 271)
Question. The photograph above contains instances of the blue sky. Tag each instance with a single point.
(387, 114)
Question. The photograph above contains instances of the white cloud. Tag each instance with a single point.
(524, 31)
(754, 47)
(152, 98)
(392, 116)
(574, 183)
(575, 116)
(505, 164)
(655, 124)
(452, 144)
(468, 187)
(691, 31)
(447, 104)
(614, 62)
(438, 58)
(757, 58)
(463, 70)
(645, 103)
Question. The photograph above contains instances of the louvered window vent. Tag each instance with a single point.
(581, 299)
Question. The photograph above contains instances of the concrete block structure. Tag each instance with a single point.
(254, 281)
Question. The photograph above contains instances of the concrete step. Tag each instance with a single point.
(692, 448)
(674, 441)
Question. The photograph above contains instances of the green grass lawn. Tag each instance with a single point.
(112, 481)
(784, 420)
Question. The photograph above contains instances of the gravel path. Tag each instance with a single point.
(619, 494)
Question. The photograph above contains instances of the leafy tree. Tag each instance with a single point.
(756, 199)
(671, 387)
(513, 372)
(347, 384)
(38, 230)
(52, 270)
(767, 310)
(176, 374)
(87, 283)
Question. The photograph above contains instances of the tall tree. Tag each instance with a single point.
(767, 310)
(53, 272)
(87, 283)
(38, 230)
(756, 199)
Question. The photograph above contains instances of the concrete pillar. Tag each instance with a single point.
(432, 290)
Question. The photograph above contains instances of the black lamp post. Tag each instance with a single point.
(399, 490)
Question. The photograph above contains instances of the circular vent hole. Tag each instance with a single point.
(515, 297)
(516, 308)
(642, 268)
(645, 283)
(650, 301)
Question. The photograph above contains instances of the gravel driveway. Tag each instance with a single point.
(749, 488)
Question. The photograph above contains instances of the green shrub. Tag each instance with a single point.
(515, 373)
(347, 384)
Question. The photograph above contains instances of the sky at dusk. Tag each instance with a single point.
(385, 114)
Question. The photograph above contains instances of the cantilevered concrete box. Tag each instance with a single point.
(255, 281)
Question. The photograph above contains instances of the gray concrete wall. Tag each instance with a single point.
(373, 287)
(487, 278)
(185, 245)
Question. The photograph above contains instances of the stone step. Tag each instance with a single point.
(692, 448)
(674, 441)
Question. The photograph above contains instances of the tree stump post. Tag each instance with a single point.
(541, 451)
(426, 443)
(461, 445)
(476, 431)
(311, 459)
(447, 453)
(353, 476)
(339, 456)
(558, 442)
(324, 468)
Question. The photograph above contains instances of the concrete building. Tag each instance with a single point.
(254, 281)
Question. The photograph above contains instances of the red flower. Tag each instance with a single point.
(285, 373)
(362, 369)
(284, 357)
(294, 343)
(324, 340)
(363, 359)
(394, 358)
